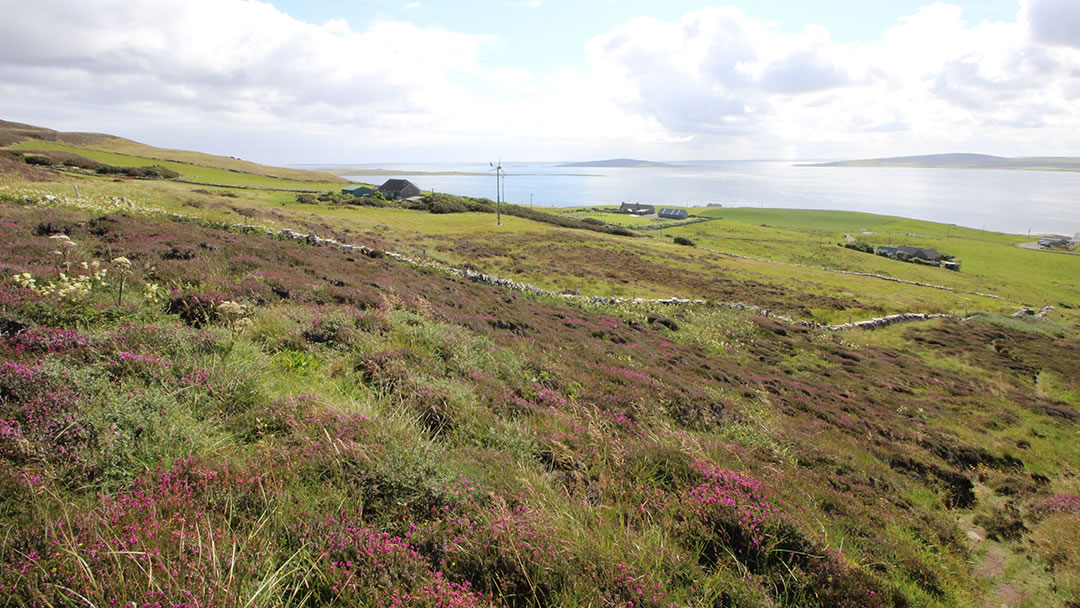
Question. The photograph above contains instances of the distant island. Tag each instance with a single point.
(964, 161)
(617, 162)
(367, 172)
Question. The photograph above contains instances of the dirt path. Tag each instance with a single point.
(989, 563)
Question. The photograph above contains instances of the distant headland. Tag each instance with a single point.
(964, 161)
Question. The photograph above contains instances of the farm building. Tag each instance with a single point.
(358, 191)
(399, 188)
(922, 253)
(673, 214)
(883, 250)
(637, 209)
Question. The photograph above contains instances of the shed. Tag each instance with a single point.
(673, 214)
(357, 191)
(637, 209)
(399, 188)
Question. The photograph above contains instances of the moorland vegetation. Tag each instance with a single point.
(195, 411)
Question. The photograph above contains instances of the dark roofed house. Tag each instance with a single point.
(637, 209)
(673, 214)
(358, 191)
(883, 250)
(399, 188)
(922, 253)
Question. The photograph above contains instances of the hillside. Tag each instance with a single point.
(23, 136)
(964, 161)
(198, 407)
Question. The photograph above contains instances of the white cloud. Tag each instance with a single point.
(240, 57)
(717, 71)
(715, 83)
(1053, 21)
(931, 82)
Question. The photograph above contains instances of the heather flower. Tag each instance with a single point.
(1063, 503)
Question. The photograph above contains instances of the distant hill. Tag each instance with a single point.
(617, 162)
(14, 133)
(964, 161)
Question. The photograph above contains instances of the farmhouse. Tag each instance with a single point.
(673, 214)
(399, 188)
(357, 191)
(637, 209)
(927, 253)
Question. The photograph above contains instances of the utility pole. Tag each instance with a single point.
(498, 192)
(530, 201)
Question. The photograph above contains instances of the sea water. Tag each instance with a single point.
(1000, 200)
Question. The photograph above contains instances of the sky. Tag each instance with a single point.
(411, 81)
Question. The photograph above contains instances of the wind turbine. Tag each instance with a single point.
(499, 174)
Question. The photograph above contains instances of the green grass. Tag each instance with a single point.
(187, 171)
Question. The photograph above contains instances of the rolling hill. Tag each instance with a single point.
(28, 137)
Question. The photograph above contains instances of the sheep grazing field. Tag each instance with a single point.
(217, 395)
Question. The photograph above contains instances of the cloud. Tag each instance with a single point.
(241, 57)
(1055, 22)
(718, 76)
(717, 71)
(714, 83)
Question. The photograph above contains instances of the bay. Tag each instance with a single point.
(999, 200)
